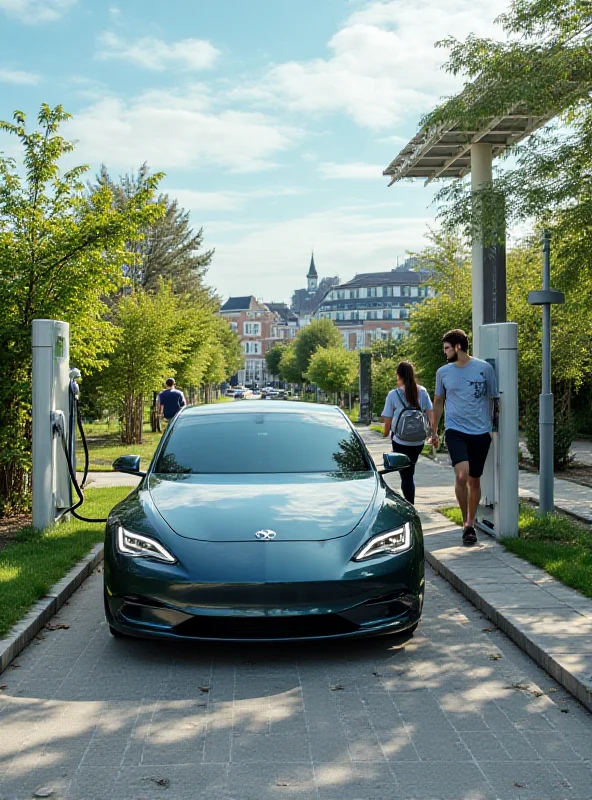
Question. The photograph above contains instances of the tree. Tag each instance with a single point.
(288, 365)
(544, 65)
(382, 349)
(152, 337)
(169, 249)
(273, 358)
(320, 333)
(62, 250)
(384, 373)
(333, 369)
(451, 307)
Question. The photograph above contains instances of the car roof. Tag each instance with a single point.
(257, 407)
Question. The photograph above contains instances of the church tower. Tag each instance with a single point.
(312, 276)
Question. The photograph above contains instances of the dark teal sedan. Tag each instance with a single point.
(262, 522)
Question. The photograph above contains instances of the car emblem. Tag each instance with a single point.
(266, 535)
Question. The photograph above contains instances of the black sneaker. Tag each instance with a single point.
(469, 536)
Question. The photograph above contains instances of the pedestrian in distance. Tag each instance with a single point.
(466, 389)
(404, 419)
(171, 401)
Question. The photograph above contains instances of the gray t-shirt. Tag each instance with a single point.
(393, 406)
(468, 391)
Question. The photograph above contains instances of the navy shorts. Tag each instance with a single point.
(468, 447)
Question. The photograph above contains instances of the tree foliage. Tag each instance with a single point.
(319, 333)
(289, 370)
(169, 249)
(542, 65)
(62, 250)
(273, 358)
(333, 369)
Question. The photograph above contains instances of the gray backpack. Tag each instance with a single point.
(411, 423)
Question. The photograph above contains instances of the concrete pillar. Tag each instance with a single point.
(481, 175)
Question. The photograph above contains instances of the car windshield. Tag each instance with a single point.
(262, 443)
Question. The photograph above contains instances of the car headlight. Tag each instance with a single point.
(140, 546)
(386, 544)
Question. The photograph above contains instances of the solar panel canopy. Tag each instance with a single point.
(446, 151)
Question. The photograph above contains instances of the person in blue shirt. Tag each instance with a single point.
(465, 388)
(408, 394)
(171, 401)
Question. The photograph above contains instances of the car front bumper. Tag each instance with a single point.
(311, 598)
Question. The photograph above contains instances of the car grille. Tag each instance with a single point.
(265, 627)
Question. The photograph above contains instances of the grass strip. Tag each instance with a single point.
(36, 561)
(556, 543)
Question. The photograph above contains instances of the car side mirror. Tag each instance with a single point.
(394, 462)
(129, 465)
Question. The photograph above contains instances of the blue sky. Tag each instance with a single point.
(273, 119)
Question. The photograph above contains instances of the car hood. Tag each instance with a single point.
(232, 508)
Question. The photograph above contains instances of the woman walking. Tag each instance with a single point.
(399, 406)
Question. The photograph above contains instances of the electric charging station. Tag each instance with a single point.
(498, 511)
(55, 414)
(52, 489)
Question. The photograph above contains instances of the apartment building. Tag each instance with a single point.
(259, 326)
(374, 305)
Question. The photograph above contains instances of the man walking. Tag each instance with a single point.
(171, 401)
(465, 388)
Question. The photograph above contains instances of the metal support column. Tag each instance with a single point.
(546, 299)
(481, 177)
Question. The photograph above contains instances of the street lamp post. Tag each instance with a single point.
(546, 298)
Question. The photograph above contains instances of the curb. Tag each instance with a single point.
(43, 610)
(580, 690)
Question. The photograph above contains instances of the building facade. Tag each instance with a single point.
(374, 305)
(260, 326)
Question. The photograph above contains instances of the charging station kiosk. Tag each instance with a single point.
(52, 487)
(498, 511)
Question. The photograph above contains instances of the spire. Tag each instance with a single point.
(312, 270)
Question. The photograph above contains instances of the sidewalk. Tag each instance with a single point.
(551, 622)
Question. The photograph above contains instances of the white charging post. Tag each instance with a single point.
(498, 512)
(52, 490)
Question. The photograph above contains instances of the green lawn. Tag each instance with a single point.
(36, 561)
(104, 446)
(559, 545)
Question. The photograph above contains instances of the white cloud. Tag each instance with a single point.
(154, 54)
(19, 77)
(176, 130)
(356, 170)
(35, 11)
(271, 259)
(383, 65)
(193, 200)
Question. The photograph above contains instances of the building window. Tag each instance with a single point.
(252, 328)
(234, 326)
(253, 348)
(387, 291)
(340, 315)
(404, 313)
(405, 291)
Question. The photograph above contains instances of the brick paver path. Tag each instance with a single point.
(456, 712)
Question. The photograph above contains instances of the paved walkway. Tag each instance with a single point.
(548, 620)
(573, 498)
(456, 713)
